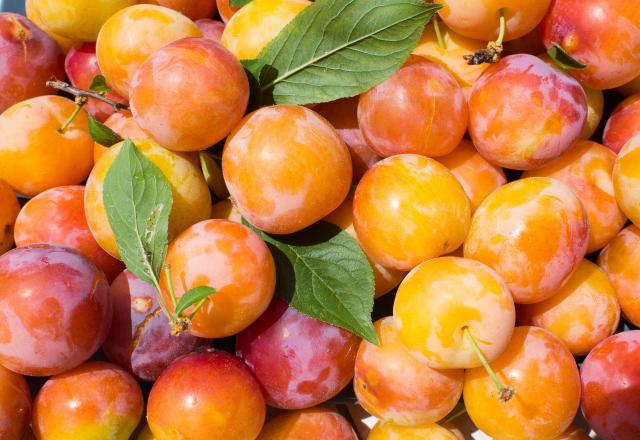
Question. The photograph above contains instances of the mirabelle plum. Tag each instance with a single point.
(450, 57)
(123, 124)
(623, 123)
(308, 424)
(524, 113)
(626, 179)
(225, 210)
(32, 13)
(191, 197)
(252, 27)
(55, 310)
(533, 232)
(29, 58)
(94, 400)
(478, 177)
(289, 141)
(620, 261)
(630, 88)
(441, 299)
(81, 66)
(225, 10)
(389, 431)
(343, 115)
(78, 19)
(546, 381)
(409, 208)
(393, 386)
(56, 216)
(299, 361)
(9, 209)
(207, 395)
(480, 19)
(230, 258)
(573, 433)
(192, 76)
(34, 154)
(603, 34)
(611, 385)
(131, 35)
(211, 29)
(140, 339)
(15, 405)
(193, 9)
(582, 313)
(431, 123)
(385, 279)
(586, 168)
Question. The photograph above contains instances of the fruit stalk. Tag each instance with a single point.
(491, 54)
(65, 87)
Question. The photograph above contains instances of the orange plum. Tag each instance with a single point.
(409, 208)
(15, 405)
(225, 10)
(224, 209)
(308, 424)
(533, 232)
(64, 43)
(195, 10)
(390, 431)
(9, 209)
(626, 179)
(623, 123)
(125, 126)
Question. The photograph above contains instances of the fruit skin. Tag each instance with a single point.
(34, 155)
(199, 385)
(9, 209)
(623, 123)
(225, 10)
(478, 177)
(225, 210)
(409, 208)
(582, 313)
(193, 9)
(196, 77)
(132, 34)
(626, 179)
(308, 424)
(630, 88)
(451, 56)
(15, 405)
(30, 58)
(480, 19)
(343, 115)
(230, 258)
(385, 278)
(299, 361)
(603, 34)
(81, 66)
(533, 129)
(586, 168)
(595, 111)
(620, 261)
(125, 126)
(393, 386)
(254, 25)
(389, 431)
(56, 216)
(78, 19)
(140, 339)
(54, 309)
(506, 233)
(65, 44)
(287, 140)
(442, 296)
(211, 29)
(546, 381)
(94, 400)
(610, 384)
(191, 197)
(431, 123)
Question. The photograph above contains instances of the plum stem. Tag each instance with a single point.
(490, 54)
(80, 102)
(505, 393)
(436, 28)
(66, 87)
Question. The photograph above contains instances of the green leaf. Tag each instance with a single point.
(238, 3)
(102, 134)
(138, 200)
(323, 273)
(213, 175)
(339, 48)
(563, 59)
(193, 296)
(99, 84)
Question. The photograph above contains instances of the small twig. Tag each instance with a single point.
(491, 54)
(65, 87)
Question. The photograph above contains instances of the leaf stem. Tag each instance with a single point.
(172, 293)
(66, 87)
(505, 393)
(80, 102)
(436, 28)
